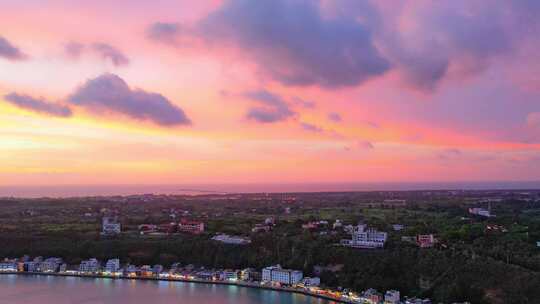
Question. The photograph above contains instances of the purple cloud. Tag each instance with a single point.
(272, 108)
(38, 105)
(163, 31)
(108, 52)
(304, 103)
(9, 51)
(426, 42)
(105, 51)
(335, 117)
(311, 127)
(110, 93)
(290, 41)
(74, 49)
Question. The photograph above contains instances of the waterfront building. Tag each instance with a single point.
(112, 265)
(372, 296)
(207, 275)
(157, 269)
(392, 297)
(193, 227)
(146, 271)
(276, 274)
(8, 266)
(231, 239)
(229, 275)
(50, 265)
(62, 268)
(311, 281)
(131, 271)
(110, 226)
(89, 266)
(363, 237)
(250, 274)
(31, 266)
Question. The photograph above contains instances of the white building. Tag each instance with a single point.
(391, 297)
(311, 282)
(276, 274)
(363, 237)
(50, 265)
(231, 239)
(229, 275)
(89, 266)
(112, 265)
(8, 267)
(110, 226)
(31, 266)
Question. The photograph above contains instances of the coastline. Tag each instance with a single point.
(198, 281)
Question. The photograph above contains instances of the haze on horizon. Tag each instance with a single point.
(270, 91)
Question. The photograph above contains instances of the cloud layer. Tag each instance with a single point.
(38, 105)
(345, 43)
(9, 51)
(289, 40)
(271, 108)
(110, 93)
(103, 50)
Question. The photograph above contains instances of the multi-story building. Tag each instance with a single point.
(229, 275)
(50, 265)
(193, 227)
(392, 297)
(425, 240)
(89, 266)
(31, 266)
(157, 269)
(276, 274)
(250, 274)
(146, 271)
(110, 226)
(363, 237)
(8, 266)
(372, 296)
(311, 282)
(112, 265)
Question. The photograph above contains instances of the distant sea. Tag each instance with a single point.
(198, 189)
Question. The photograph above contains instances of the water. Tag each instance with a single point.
(93, 190)
(18, 289)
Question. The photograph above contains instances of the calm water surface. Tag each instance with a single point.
(16, 289)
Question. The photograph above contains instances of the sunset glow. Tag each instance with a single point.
(242, 91)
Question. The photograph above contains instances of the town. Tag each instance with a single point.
(353, 247)
(272, 277)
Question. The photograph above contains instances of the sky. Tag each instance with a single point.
(268, 91)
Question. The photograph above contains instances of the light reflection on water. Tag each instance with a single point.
(16, 289)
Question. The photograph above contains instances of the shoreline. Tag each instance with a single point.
(198, 281)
